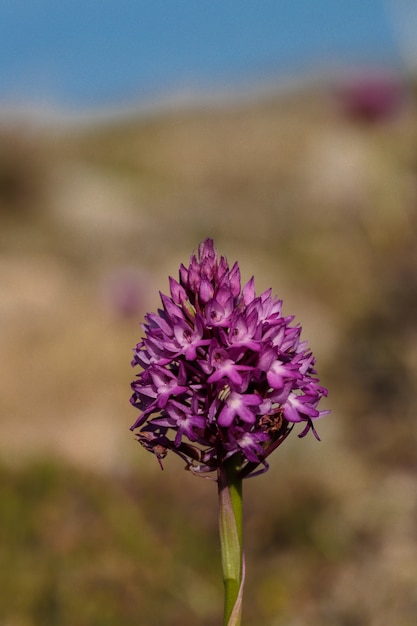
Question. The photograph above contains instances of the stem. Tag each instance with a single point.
(230, 526)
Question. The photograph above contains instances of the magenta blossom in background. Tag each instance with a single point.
(124, 292)
(374, 98)
(223, 372)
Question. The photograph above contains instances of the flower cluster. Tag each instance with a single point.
(223, 372)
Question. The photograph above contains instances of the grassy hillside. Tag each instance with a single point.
(318, 204)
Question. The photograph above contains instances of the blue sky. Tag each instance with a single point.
(90, 53)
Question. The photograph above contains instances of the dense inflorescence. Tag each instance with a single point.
(223, 372)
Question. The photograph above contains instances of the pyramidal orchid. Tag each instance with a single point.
(224, 378)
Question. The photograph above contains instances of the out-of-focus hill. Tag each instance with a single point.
(318, 201)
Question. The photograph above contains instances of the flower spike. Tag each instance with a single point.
(224, 373)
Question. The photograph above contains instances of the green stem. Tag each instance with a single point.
(230, 526)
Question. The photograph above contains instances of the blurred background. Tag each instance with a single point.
(129, 132)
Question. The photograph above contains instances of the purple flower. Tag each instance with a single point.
(375, 97)
(223, 372)
(124, 292)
